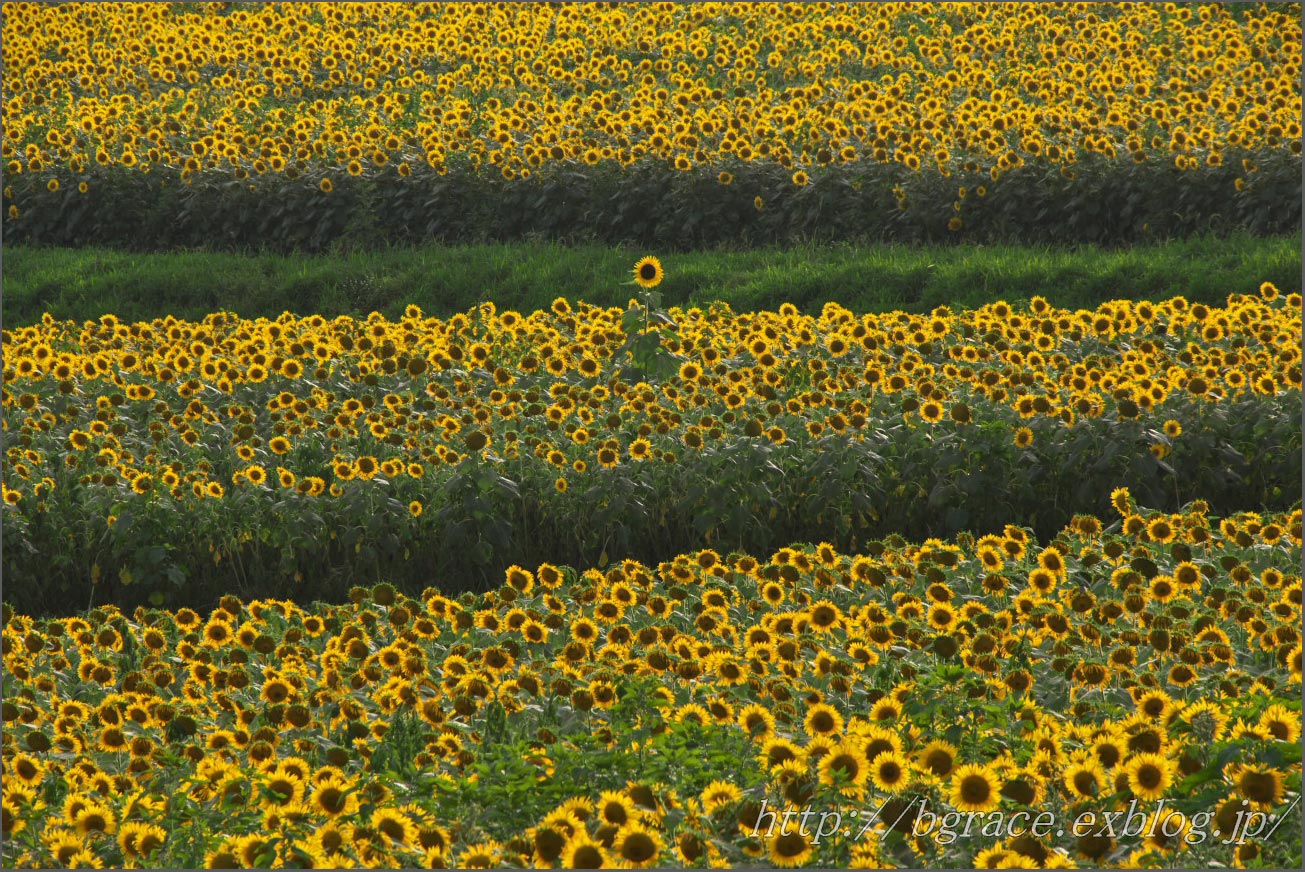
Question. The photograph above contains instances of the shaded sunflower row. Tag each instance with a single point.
(652, 715)
(1099, 200)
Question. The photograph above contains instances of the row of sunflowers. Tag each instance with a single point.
(178, 459)
(351, 88)
(689, 712)
(669, 124)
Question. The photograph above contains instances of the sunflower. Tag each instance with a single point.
(549, 841)
(844, 765)
(1109, 750)
(253, 847)
(889, 771)
(975, 788)
(1162, 588)
(483, 855)
(1166, 830)
(396, 826)
(276, 691)
(822, 720)
(877, 739)
(616, 808)
(719, 793)
(648, 272)
(584, 630)
(1281, 723)
(366, 467)
(1156, 705)
(582, 852)
(1205, 721)
(334, 797)
(776, 750)
(1149, 775)
(1042, 580)
(1260, 785)
(217, 632)
(1086, 780)
(636, 846)
(433, 838)
(94, 817)
(825, 615)
(522, 580)
(886, 710)
(1181, 675)
(941, 616)
(790, 848)
(1160, 530)
(64, 845)
(937, 757)
(222, 858)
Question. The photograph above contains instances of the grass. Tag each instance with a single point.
(82, 283)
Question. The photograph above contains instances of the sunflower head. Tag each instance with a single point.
(975, 788)
(648, 272)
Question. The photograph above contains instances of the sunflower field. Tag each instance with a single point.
(306, 125)
(525, 574)
(229, 469)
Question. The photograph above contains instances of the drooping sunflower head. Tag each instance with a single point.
(1262, 786)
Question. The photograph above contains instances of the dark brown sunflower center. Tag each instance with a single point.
(1258, 786)
(587, 857)
(637, 848)
(1149, 776)
(975, 789)
(790, 845)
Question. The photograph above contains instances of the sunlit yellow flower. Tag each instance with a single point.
(648, 272)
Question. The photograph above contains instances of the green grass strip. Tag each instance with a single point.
(82, 283)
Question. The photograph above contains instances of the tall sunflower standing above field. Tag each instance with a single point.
(648, 272)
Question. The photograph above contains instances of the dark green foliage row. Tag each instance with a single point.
(85, 283)
(736, 494)
(1100, 200)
